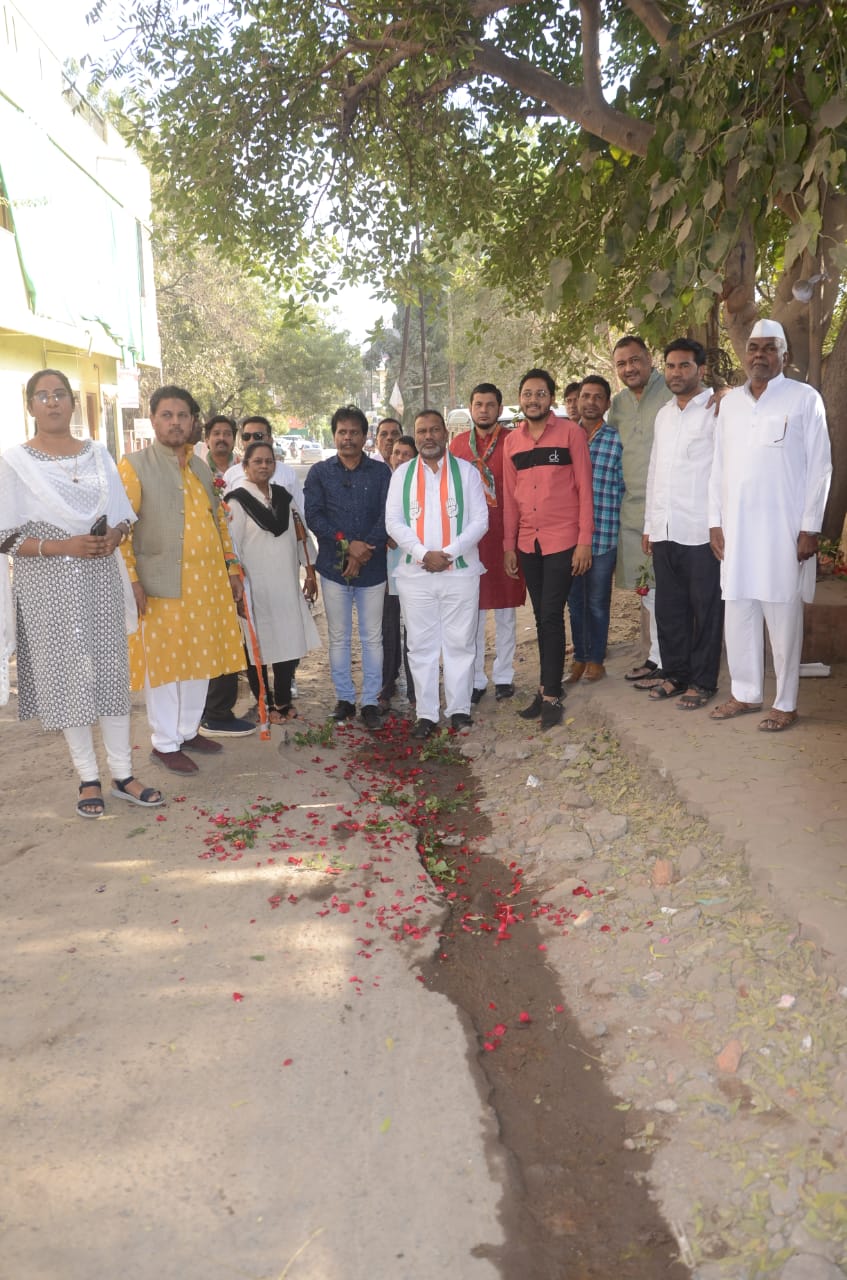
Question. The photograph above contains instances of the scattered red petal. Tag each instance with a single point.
(524, 1017)
(237, 997)
(287, 1062)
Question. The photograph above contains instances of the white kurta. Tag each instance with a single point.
(769, 481)
(440, 610)
(281, 617)
(464, 544)
(678, 475)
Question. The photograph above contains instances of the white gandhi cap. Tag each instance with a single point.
(768, 329)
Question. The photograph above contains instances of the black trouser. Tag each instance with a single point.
(548, 581)
(283, 675)
(221, 697)
(689, 613)
(391, 646)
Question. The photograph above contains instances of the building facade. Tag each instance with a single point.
(76, 267)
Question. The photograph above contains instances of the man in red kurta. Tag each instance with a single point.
(548, 523)
(482, 446)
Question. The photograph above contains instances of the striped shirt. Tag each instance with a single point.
(606, 453)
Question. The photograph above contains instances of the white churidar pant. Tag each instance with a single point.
(503, 671)
(745, 648)
(174, 711)
(115, 733)
(441, 613)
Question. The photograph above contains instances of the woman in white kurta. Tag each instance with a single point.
(72, 599)
(262, 523)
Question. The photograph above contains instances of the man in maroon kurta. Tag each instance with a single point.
(482, 446)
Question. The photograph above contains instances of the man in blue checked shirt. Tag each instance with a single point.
(345, 510)
(591, 594)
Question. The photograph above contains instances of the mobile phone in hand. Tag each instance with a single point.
(100, 527)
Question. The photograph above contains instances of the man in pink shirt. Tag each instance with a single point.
(548, 523)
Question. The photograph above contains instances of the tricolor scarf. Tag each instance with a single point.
(485, 473)
(452, 502)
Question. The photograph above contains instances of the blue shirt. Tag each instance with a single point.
(607, 483)
(339, 500)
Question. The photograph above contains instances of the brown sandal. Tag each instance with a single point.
(775, 721)
(729, 710)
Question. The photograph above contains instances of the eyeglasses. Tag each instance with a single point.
(44, 397)
(253, 435)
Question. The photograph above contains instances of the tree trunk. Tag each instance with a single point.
(834, 392)
(739, 291)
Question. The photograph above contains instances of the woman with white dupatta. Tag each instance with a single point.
(63, 513)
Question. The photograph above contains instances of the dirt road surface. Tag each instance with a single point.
(251, 1036)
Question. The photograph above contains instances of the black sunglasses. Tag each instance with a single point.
(253, 435)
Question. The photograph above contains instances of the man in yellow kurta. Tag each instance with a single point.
(186, 581)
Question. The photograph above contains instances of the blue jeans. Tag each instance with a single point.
(338, 604)
(589, 603)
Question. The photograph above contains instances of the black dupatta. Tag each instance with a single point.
(273, 519)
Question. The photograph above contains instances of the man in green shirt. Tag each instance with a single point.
(633, 413)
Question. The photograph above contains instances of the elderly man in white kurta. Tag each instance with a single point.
(436, 513)
(767, 493)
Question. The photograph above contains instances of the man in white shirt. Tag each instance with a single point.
(436, 513)
(258, 428)
(767, 494)
(689, 609)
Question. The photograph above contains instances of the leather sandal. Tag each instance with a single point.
(776, 721)
(733, 708)
(666, 688)
(639, 673)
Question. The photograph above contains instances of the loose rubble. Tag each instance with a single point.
(707, 1011)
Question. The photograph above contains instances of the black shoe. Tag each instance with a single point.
(502, 691)
(477, 696)
(460, 721)
(551, 714)
(424, 729)
(533, 711)
(234, 727)
(344, 711)
(372, 717)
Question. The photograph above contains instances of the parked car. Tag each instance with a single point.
(309, 451)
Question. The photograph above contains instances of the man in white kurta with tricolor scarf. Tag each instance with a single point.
(767, 493)
(436, 513)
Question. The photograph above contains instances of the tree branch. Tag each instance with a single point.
(353, 94)
(590, 13)
(651, 16)
(569, 102)
(750, 19)
(484, 8)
